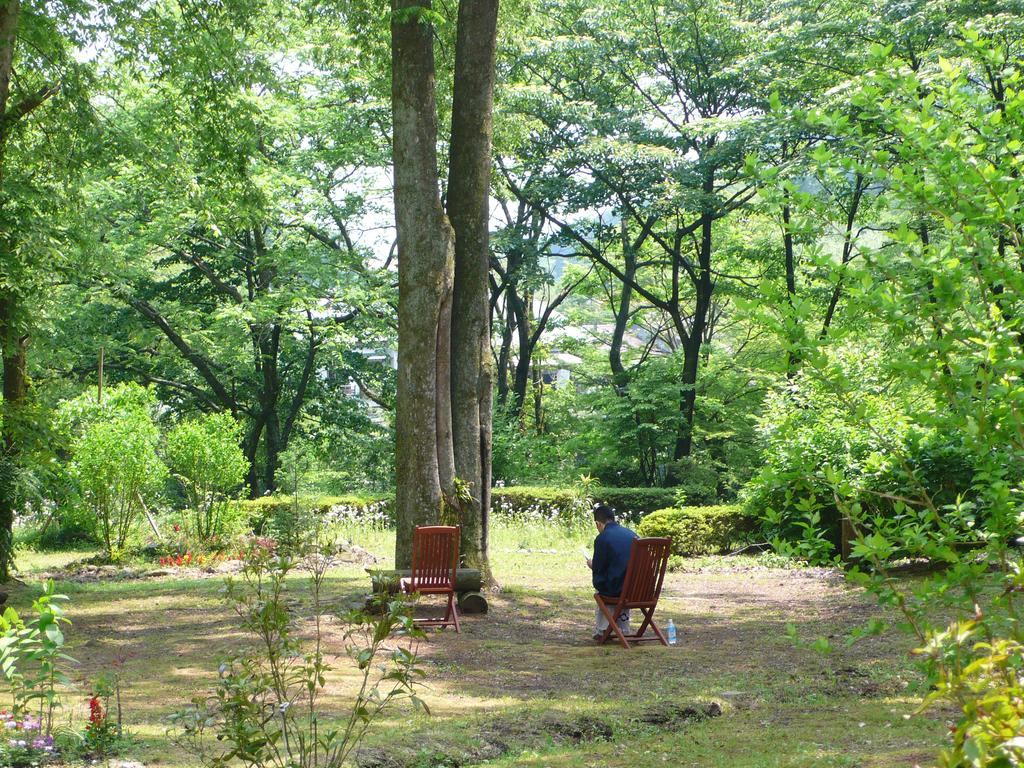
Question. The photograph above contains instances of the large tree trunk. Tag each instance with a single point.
(14, 389)
(12, 342)
(468, 209)
(424, 455)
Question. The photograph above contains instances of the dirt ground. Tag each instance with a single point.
(525, 685)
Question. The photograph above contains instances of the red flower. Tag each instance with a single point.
(95, 710)
(177, 528)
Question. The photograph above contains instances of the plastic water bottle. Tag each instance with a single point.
(671, 632)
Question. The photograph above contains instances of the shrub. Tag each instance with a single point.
(56, 527)
(519, 503)
(813, 438)
(528, 503)
(53, 515)
(635, 503)
(115, 464)
(699, 530)
(205, 457)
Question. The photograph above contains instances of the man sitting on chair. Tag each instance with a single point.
(612, 548)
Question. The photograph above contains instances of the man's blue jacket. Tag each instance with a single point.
(611, 556)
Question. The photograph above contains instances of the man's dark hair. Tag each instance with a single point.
(604, 514)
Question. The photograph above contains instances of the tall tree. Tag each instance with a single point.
(41, 143)
(231, 204)
(468, 210)
(673, 107)
(443, 421)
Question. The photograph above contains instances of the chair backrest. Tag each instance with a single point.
(435, 556)
(645, 573)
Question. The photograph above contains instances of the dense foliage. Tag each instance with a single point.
(764, 253)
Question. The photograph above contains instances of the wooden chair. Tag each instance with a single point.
(641, 589)
(435, 560)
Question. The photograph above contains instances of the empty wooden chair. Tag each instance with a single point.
(641, 589)
(435, 560)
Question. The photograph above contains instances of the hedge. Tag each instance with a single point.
(700, 530)
(262, 513)
(520, 502)
(550, 503)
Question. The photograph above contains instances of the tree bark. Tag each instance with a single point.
(269, 348)
(468, 209)
(12, 342)
(423, 452)
(504, 352)
(10, 12)
(250, 446)
(522, 305)
(14, 390)
(621, 311)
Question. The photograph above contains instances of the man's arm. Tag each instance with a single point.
(600, 562)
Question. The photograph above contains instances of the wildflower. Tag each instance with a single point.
(95, 710)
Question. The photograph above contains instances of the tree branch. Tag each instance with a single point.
(200, 363)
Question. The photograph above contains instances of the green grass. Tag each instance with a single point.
(509, 689)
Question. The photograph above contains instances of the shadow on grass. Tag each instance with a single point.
(528, 669)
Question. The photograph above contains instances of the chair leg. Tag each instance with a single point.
(454, 610)
(649, 619)
(613, 625)
(644, 624)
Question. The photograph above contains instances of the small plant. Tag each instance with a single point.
(264, 709)
(453, 504)
(101, 731)
(32, 658)
(23, 742)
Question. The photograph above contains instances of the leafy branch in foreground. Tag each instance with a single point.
(947, 286)
(266, 708)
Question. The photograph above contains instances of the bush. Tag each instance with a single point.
(636, 503)
(699, 530)
(58, 527)
(271, 515)
(116, 465)
(32, 662)
(813, 439)
(205, 457)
